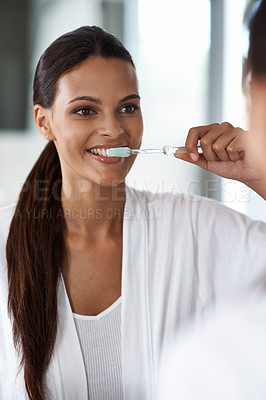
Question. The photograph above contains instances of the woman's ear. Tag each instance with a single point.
(42, 120)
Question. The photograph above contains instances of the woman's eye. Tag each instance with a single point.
(129, 109)
(84, 111)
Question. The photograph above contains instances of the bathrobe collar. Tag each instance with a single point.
(66, 375)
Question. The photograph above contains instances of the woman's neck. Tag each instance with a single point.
(93, 210)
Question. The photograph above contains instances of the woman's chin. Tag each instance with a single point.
(111, 182)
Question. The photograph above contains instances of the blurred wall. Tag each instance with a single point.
(188, 75)
(14, 63)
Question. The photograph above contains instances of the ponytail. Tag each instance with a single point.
(35, 247)
(35, 250)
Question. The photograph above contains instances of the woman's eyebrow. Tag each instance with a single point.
(129, 97)
(98, 101)
(88, 98)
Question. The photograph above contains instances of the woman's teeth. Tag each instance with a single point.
(100, 152)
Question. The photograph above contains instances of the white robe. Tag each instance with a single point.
(222, 358)
(180, 255)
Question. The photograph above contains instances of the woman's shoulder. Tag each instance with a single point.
(6, 211)
(204, 214)
(230, 343)
(6, 215)
(194, 204)
(160, 195)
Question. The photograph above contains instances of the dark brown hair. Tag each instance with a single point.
(35, 246)
(256, 59)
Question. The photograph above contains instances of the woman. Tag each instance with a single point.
(97, 276)
(225, 357)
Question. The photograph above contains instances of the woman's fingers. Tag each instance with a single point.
(218, 142)
(229, 146)
(228, 152)
(213, 148)
(194, 135)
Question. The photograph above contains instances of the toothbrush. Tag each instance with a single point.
(126, 151)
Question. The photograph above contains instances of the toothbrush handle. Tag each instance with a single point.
(146, 151)
(167, 150)
(179, 150)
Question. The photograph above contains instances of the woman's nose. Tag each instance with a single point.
(110, 126)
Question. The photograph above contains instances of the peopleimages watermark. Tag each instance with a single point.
(92, 213)
(225, 190)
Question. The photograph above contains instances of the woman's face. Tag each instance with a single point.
(258, 117)
(258, 104)
(97, 107)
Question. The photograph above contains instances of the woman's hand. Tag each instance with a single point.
(228, 152)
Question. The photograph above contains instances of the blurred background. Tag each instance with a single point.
(188, 55)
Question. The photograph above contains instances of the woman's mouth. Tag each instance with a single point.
(99, 154)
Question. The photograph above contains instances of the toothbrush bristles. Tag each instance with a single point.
(118, 152)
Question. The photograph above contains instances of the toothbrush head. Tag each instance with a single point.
(118, 152)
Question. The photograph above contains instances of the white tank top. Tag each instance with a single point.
(100, 341)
